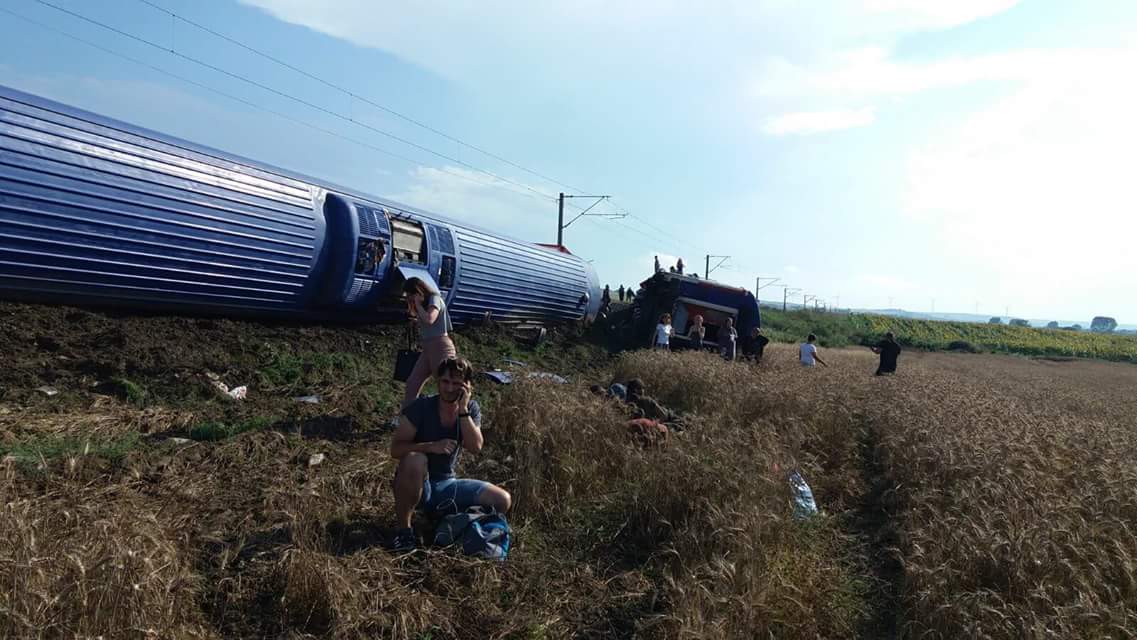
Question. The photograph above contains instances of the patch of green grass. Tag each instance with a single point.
(132, 391)
(215, 431)
(49, 448)
(840, 330)
(313, 370)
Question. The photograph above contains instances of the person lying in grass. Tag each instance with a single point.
(431, 434)
(645, 406)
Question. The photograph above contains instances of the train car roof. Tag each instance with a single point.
(40, 102)
(701, 282)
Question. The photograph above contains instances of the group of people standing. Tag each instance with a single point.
(753, 346)
(623, 294)
(729, 344)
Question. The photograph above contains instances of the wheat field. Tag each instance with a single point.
(974, 496)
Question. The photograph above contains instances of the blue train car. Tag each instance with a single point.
(96, 211)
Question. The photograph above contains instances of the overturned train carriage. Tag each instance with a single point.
(95, 211)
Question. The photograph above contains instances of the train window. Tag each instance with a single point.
(446, 275)
(408, 240)
(368, 255)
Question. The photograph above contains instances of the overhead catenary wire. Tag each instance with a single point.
(254, 105)
(497, 180)
(356, 96)
(240, 100)
(289, 96)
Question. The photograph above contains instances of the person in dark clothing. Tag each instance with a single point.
(605, 299)
(889, 351)
(432, 433)
(620, 293)
(645, 406)
(755, 345)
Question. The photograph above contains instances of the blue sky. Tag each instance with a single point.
(977, 154)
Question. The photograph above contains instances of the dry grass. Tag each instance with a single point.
(1017, 497)
(970, 496)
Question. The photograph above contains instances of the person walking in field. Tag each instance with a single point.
(697, 332)
(663, 333)
(889, 351)
(425, 306)
(808, 352)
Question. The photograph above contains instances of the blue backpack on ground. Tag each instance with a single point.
(482, 534)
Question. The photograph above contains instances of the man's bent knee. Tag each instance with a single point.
(414, 464)
(496, 498)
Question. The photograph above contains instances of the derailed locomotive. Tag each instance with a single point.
(96, 211)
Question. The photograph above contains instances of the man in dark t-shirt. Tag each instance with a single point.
(431, 434)
(889, 351)
(755, 345)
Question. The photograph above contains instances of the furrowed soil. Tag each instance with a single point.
(967, 496)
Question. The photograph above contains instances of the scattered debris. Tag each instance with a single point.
(179, 441)
(513, 363)
(315, 459)
(544, 375)
(236, 393)
(507, 377)
(802, 497)
(47, 391)
(308, 399)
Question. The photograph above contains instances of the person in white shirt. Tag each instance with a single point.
(728, 339)
(663, 333)
(808, 352)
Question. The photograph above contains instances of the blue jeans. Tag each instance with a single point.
(450, 495)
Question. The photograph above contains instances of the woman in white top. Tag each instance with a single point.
(663, 333)
(808, 352)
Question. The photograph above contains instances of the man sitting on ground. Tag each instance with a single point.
(432, 432)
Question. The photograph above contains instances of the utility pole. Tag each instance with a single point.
(561, 225)
(805, 301)
(758, 286)
(709, 269)
(786, 291)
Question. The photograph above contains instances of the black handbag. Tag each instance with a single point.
(406, 359)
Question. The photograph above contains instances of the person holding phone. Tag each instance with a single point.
(431, 435)
(426, 307)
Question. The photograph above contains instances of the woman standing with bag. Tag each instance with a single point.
(426, 305)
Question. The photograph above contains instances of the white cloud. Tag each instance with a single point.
(938, 13)
(1037, 187)
(493, 41)
(871, 71)
(790, 268)
(473, 197)
(808, 122)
